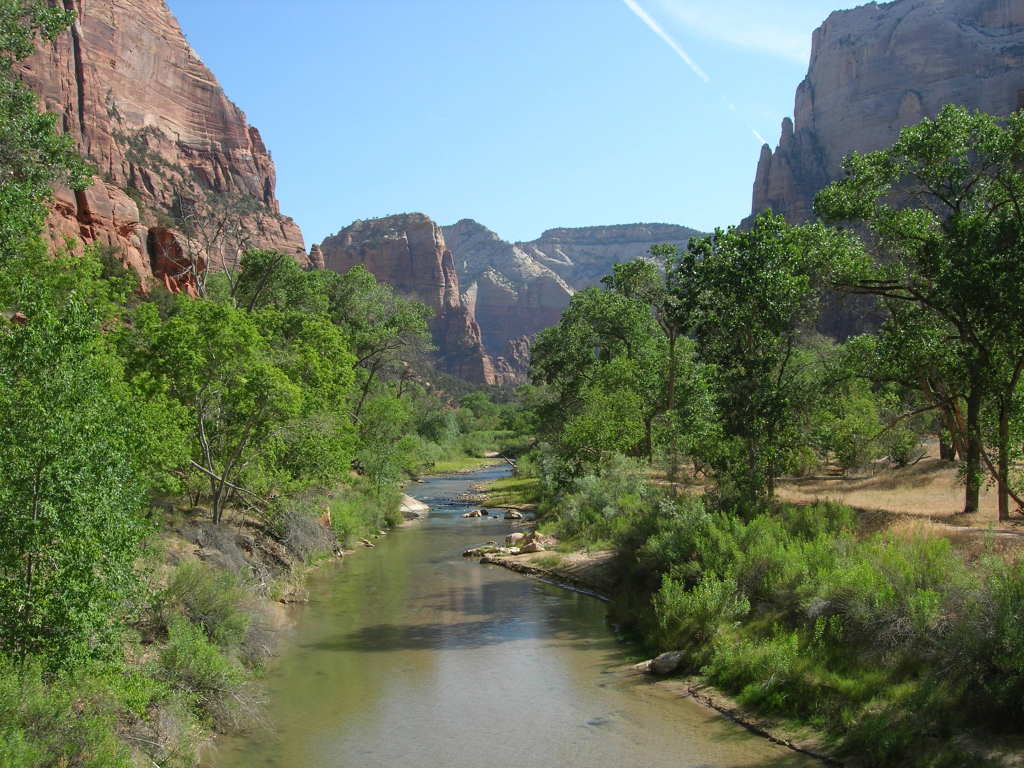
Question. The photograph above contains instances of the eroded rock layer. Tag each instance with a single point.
(878, 68)
(511, 293)
(409, 253)
(164, 138)
(518, 289)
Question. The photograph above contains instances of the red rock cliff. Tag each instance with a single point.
(159, 129)
(409, 253)
(878, 68)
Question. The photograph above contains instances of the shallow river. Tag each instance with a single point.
(409, 655)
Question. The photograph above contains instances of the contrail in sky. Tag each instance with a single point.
(656, 28)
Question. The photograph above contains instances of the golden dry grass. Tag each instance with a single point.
(931, 489)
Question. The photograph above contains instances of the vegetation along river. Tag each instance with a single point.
(410, 655)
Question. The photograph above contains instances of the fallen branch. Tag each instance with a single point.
(232, 486)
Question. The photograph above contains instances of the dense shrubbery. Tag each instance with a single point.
(795, 613)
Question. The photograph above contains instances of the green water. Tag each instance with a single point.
(410, 655)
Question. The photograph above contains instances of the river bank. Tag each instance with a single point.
(875, 647)
(595, 573)
(413, 650)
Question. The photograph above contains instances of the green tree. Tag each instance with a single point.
(213, 359)
(382, 328)
(274, 279)
(754, 296)
(944, 208)
(78, 451)
(316, 445)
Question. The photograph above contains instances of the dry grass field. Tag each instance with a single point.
(926, 498)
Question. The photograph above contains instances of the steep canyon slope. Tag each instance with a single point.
(409, 252)
(167, 143)
(519, 289)
(880, 67)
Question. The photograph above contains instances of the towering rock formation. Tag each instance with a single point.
(519, 289)
(163, 136)
(878, 68)
(512, 294)
(409, 253)
(582, 256)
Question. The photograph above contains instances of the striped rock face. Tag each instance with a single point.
(161, 132)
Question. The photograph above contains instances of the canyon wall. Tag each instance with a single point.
(167, 144)
(409, 253)
(878, 68)
(583, 255)
(512, 295)
(518, 289)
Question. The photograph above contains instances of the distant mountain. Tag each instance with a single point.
(408, 251)
(582, 256)
(518, 289)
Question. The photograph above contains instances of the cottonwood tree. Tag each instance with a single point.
(943, 209)
(754, 296)
(213, 359)
(612, 372)
(382, 328)
(78, 449)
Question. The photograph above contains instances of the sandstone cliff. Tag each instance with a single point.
(511, 294)
(582, 256)
(878, 68)
(518, 289)
(165, 140)
(409, 253)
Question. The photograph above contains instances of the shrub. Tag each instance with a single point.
(302, 533)
(197, 667)
(602, 508)
(213, 599)
(767, 673)
(360, 511)
(55, 722)
(691, 618)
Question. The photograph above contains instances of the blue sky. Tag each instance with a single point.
(522, 114)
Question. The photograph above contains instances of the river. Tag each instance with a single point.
(410, 655)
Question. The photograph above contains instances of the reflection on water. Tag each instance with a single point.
(410, 654)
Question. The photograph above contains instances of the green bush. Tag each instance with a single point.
(691, 618)
(198, 668)
(768, 673)
(602, 509)
(213, 599)
(361, 511)
(55, 722)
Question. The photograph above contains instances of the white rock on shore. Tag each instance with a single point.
(413, 509)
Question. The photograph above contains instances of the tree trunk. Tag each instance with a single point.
(1004, 462)
(946, 450)
(972, 495)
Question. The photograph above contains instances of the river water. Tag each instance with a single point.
(410, 655)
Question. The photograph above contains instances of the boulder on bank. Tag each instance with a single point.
(413, 509)
(515, 539)
(513, 514)
(491, 548)
(667, 663)
(531, 546)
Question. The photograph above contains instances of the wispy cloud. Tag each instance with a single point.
(779, 28)
(660, 32)
(655, 27)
